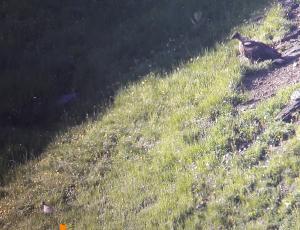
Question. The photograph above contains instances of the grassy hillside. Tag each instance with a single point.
(53, 48)
(169, 153)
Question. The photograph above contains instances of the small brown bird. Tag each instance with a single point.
(47, 209)
(254, 50)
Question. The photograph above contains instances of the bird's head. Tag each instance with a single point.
(236, 35)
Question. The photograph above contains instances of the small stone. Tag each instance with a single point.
(295, 95)
(47, 209)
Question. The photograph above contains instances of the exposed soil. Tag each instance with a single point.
(265, 84)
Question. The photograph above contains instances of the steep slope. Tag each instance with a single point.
(53, 49)
(173, 151)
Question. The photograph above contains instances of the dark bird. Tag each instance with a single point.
(254, 50)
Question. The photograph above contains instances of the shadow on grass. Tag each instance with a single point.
(51, 49)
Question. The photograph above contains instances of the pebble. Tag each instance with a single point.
(295, 95)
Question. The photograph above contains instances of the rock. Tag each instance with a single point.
(295, 95)
(293, 35)
(290, 111)
(47, 209)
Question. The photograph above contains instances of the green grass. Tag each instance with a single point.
(52, 48)
(169, 153)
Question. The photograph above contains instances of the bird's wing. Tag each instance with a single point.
(262, 49)
(257, 44)
(251, 47)
(250, 44)
(270, 51)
